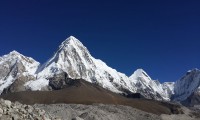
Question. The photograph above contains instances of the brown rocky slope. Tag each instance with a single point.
(82, 92)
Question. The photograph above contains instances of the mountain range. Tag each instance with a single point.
(73, 60)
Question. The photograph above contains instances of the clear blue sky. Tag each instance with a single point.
(160, 36)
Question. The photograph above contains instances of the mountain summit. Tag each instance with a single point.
(74, 60)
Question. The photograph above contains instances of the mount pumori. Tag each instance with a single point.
(73, 60)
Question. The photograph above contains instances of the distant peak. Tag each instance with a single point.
(14, 55)
(71, 37)
(14, 52)
(140, 73)
(72, 41)
(140, 70)
(194, 69)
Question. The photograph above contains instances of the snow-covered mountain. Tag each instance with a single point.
(188, 86)
(149, 88)
(74, 59)
(16, 69)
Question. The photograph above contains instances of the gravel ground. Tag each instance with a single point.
(96, 112)
(18, 111)
(108, 112)
(188, 115)
(178, 117)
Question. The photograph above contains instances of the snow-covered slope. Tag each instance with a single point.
(168, 88)
(187, 85)
(149, 88)
(15, 66)
(74, 59)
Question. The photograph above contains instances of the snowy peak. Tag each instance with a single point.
(72, 42)
(187, 85)
(149, 88)
(14, 52)
(74, 59)
(15, 65)
(140, 73)
(193, 70)
(13, 57)
(72, 56)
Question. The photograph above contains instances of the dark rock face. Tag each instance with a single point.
(60, 81)
(135, 95)
(193, 100)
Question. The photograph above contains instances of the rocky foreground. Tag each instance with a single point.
(97, 112)
(110, 112)
(17, 111)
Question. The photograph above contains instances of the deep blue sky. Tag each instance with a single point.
(162, 36)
